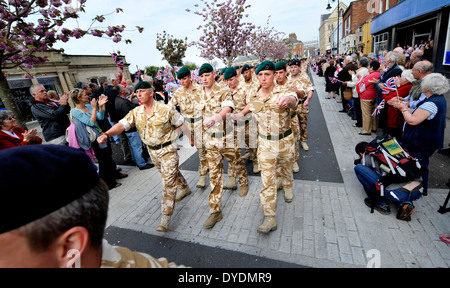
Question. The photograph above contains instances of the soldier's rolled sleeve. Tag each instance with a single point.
(228, 104)
(177, 119)
(128, 121)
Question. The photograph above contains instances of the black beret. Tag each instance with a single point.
(246, 67)
(37, 180)
(266, 65)
(143, 85)
(295, 62)
(206, 68)
(183, 72)
(229, 72)
(280, 66)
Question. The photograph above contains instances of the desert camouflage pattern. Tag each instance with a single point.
(237, 169)
(157, 128)
(166, 160)
(121, 257)
(188, 100)
(304, 83)
(219, 146)
(273, 155)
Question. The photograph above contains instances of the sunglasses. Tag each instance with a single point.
(11, 118)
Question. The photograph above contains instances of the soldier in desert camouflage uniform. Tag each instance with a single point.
(186, 98)
(156, 124)
(281, 79)
(216, 103)
(250, 82)
(273, 106)
(242, 124)
(301, 81)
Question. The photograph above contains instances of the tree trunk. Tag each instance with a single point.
(8, 100)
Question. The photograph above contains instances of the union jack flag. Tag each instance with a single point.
(389, 86)
(338, 70)
(379, 108)
(139, 73)
(333, 80)
(118, 61)
(159, 74)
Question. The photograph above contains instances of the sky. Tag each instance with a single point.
(292, 16)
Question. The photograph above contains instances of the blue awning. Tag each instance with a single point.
(404, 11)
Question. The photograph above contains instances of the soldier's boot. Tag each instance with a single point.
(269, 224)
(243, 192)
(201, 182)
(295, 167)
(212, 220)
(246, 156)
(305, 146)
(256, 168)
(164, 224)
(288, 195)
(279, 184)
(183, 193)
(231, 185)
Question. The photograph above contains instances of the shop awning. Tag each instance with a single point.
(404, 11)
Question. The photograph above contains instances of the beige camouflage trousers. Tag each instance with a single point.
(196, 133)
(274, 156)
(215, 158)
(295, 124)
(303, 115)
(166, 161)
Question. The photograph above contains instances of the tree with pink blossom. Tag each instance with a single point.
(28, 27)
(266, 42)
(226, 34)
(172, 49)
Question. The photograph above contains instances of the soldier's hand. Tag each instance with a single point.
(211, 121)
(237, 116)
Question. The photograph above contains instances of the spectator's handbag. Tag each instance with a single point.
(348, 94)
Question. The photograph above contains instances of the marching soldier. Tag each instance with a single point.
(242, 123)
(187, 97)
(249, 81)
(302, 81)
(157, 124)
(273, 106)
(216, 103)
(281, 79)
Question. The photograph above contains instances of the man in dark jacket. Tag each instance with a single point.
(52, 116)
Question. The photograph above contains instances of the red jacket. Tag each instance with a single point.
(394, 116)
(371, 92)
(7, 141)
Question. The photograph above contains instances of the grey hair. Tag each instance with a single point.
(372, 56)
(392, 57)
(407, 74)
(425, 66)
(111, 77)
(33, 88)
(4, 114)
(364, 62)
(436, 84)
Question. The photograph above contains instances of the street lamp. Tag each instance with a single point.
(339, 12)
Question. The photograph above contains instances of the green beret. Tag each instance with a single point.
(280, 66)
(295, 62)
(183, 72)
(222, 71)
(246, 67)
(38, 180)
(237, 67)
(143, 85)
(266, 65)
(206, 68)
(229, 73)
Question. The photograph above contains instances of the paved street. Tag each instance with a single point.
(327, 225)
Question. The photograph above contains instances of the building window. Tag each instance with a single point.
(447, 46)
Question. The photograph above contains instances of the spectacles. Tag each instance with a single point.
(11, 118)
